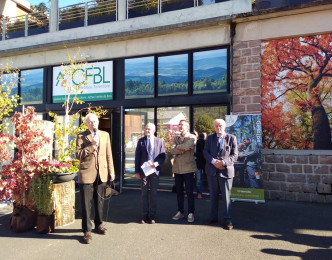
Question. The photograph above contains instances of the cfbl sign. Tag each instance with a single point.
(92, 75)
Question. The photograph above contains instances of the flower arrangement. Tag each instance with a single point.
(58, 166)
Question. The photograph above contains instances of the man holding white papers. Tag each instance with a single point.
(149, 155)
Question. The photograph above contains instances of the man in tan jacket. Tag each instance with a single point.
(93, 149)
(184, 167)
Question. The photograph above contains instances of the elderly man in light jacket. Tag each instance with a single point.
(184, 167)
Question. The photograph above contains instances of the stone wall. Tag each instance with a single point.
(287, 175)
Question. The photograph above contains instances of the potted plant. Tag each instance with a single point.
(42, 190)
(17, 174)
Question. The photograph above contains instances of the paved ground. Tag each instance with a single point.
(273, 230)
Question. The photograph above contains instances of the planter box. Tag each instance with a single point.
(173, 5)
(70, 25)
(142, 12)
(38, 30)
(101, 19)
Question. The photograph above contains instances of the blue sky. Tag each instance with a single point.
(61, 2)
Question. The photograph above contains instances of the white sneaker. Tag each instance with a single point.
(191, 217)
(178, 215)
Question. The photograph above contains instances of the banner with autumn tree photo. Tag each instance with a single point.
(297, 93)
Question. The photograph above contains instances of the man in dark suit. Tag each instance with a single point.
(93, 149)
(150, 151)
(220, 153)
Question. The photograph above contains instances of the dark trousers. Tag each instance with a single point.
(225, 186)
(188, 180)
(92, 193)
(149, 186)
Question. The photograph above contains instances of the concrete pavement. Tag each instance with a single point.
(273, 230)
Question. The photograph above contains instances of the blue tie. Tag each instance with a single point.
(220, 143)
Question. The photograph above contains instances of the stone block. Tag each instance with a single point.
(318, 198)
(239, 109)
(313, 159)
(282, 168)
(327, 179)
(246, 52)
(310, 188)
(269, 185)
(239, 76)
(303, 159)
(296, 178)
(314, 178)
(256, 99)
(321, 169)
(268, 167)
(306, 197)
(245, 84)
(246, 67)
(294, 187)
(253, 91)
(277, 195)
(256, 50)
(307, 168)
(254, 108)
(240, 45)
(296, 168)
(253, 75)
(254, 43)
(273, 158)
(289, 159)
(324, 188)
(254, 59)
(239, 92)
(326, 159)
(245, 100)
(328, 198)
(276, 176)
(290, 196)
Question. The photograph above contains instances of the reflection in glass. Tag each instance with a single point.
(173, 75)
(168, 119)
(210, 71)
(32, 86)
(204, 117)
(139, 78)
(61, 121)
(135, 121)
(10, 81)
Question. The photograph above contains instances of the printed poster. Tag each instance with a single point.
(247, 183)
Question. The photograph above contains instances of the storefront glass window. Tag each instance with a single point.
(204, 117)
(135, 121)
(168, 119)
(139, 78)
(210, 71)
(32, 86)
(173, 75)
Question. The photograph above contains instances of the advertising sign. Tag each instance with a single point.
(247, 183)
(98, 86)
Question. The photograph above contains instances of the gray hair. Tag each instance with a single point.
(91, 116)
(152, 126)
(220, 121)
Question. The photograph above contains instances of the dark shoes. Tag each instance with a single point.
(101, 230)
(229, 226)
(147, 219)
(87, 238)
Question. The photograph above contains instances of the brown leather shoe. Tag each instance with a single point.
(101, 230)
(87, 238)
